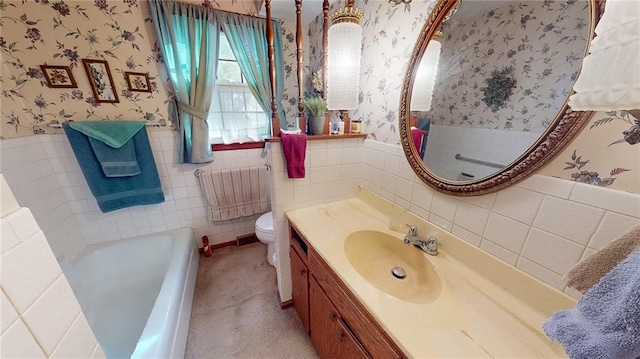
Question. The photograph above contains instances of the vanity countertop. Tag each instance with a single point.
(486, 309)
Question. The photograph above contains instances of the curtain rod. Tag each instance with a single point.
(229, 12)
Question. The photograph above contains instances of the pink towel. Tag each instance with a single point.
(416, 133)
(295, 149)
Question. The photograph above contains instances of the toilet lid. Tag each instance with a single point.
(265, 222)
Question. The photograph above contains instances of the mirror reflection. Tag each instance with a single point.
(491, 83)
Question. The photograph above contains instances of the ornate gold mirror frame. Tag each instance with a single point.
(564, 127)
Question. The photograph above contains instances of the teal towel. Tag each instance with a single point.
(116, 162)
(113, 133)
(112, 145)
(113, 193)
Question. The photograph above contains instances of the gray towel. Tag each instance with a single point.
(588, 272)
(606, 321)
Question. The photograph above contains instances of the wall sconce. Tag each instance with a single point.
(610, 75)
(343, 63)
(425, 79)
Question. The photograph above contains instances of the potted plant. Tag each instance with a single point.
(316, 107)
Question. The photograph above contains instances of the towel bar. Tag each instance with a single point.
(459, 157)
(157, 123)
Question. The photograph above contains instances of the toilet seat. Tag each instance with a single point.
(264, 228)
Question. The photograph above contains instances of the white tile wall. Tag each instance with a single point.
(34, 167)
(40, 315)
(332, 173)
(69, 215)
(543, 225)
(444, 143)
(501, 223)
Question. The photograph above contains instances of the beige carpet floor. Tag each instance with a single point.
(236, 310)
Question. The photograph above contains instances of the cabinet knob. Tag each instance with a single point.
(341, 336)
(303, 271)
(333, 316)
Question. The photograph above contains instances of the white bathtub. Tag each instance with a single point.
(137, 293)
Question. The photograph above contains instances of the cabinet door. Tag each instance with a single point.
(330, 336)
(370, 336)
(300, 286)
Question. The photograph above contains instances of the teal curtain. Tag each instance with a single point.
(188, 37)
(248, 40)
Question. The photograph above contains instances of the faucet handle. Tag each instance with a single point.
(432, 246)
(413, 231)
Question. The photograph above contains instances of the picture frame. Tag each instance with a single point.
(101, 81)
(138, 81)
(58, 76)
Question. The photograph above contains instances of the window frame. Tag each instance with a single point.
(235, 145)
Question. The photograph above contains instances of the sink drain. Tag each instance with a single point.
(398, 272)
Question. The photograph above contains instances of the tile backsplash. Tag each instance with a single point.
(45, 176)
(332, 173)
(542, 225)
(40, 315)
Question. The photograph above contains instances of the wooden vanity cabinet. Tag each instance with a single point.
(331, 337)
(339, 325)
(300, 283)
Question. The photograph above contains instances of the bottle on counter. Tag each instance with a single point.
(356, 126)
(341, 128)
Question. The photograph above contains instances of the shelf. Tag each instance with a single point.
(325, 137)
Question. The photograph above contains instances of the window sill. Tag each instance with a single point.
(324, 137)
(236, 146)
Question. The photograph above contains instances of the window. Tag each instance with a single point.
(236, 116)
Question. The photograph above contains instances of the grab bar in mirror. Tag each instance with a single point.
(157, 123)
(481, 162)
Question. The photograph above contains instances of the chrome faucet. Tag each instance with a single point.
(429, 246)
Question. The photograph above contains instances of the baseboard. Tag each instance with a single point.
(240, 241)
(287, 304)
(246, 239)
(222, 245)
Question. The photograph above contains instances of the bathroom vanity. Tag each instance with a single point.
(340, 327)
(461, 303)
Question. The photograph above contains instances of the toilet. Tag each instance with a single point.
(264, 232)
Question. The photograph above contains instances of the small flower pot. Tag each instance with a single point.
(316, 124)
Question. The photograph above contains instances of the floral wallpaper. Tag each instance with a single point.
(540, 42)
(63, 33)
(35, 32)
(389, 33)
(599, 156)
(385, 51)
(290, 96)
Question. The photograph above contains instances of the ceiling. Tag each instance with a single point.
(286, 10)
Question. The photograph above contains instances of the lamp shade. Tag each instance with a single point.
(610, 75)
(343, 66)
(425, 80)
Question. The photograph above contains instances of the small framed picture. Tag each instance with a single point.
(58, 76)
(101, 81)
(138, 81)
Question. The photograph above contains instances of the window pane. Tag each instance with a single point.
(225, 49)
(238, 102)
(229, 72)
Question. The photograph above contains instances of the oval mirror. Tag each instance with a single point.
(484, 99)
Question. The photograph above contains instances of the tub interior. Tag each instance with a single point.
(117, 285)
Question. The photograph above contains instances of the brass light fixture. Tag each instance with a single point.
(343, 63)
(425, 80)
